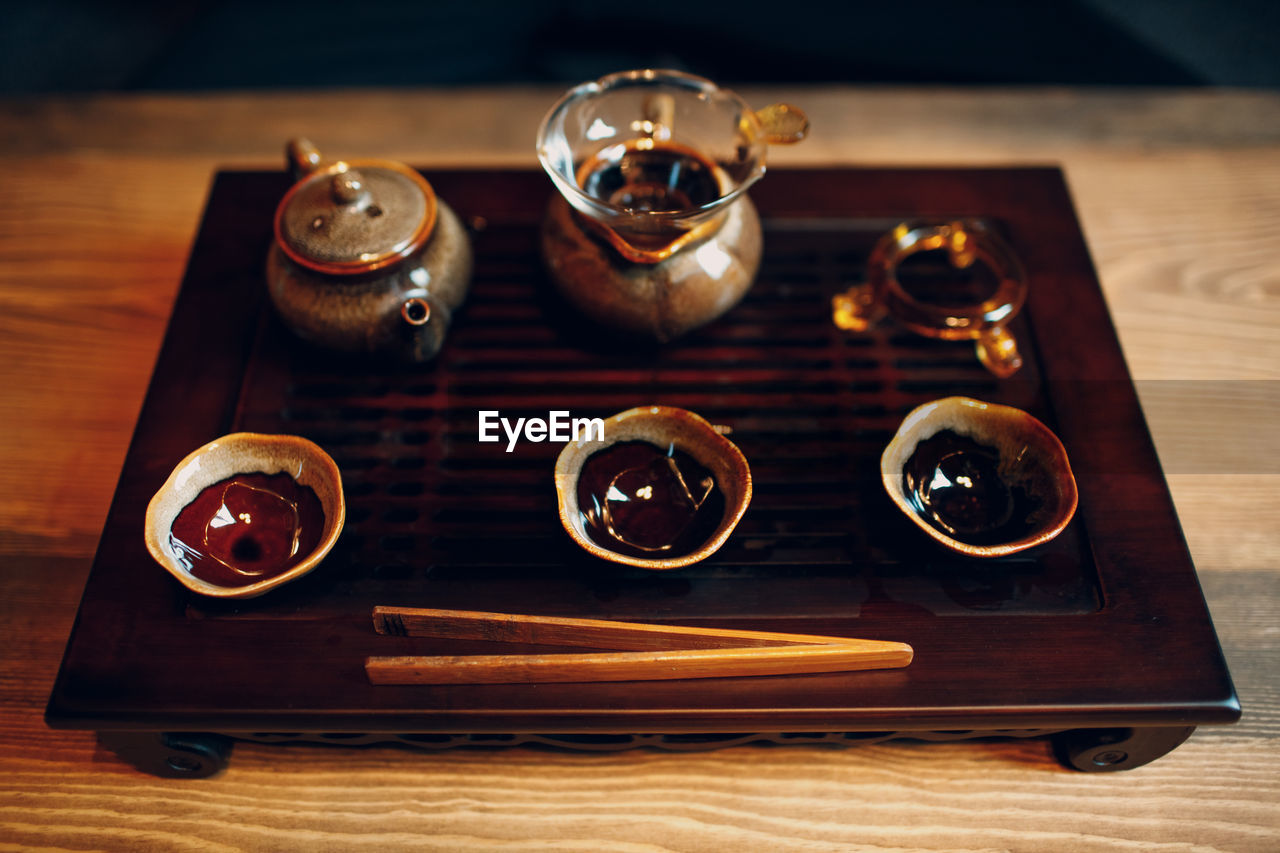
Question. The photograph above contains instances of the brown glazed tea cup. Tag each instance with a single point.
(244, 453)
(661, 426)
(1031, 462)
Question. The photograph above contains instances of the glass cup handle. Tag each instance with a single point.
(998, 351)
(856, 309)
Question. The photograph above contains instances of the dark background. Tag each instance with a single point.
(77, 45)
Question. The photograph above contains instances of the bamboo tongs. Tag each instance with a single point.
(643, 652)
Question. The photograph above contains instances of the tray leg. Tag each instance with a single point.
(174, 755)
(1106, 750)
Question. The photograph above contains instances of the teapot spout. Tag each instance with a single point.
(416, 311)
(422, 323)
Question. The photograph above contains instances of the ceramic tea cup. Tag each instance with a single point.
(239, 454)
(982, 479)
(669, 430)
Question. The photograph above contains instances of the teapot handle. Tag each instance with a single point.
(302, 157)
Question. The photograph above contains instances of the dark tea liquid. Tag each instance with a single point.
(928, 277)
(642, 501)
(955, 484)
(661, 178)
(247, 528)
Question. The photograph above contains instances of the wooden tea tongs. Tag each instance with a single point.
(643, 652)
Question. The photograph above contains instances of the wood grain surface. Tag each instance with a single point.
(1179, 195)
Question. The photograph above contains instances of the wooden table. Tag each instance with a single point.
(1179, 194)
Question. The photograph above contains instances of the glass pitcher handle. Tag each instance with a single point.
(782, 124)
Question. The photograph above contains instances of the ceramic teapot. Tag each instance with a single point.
(652, 232)
(367, 258)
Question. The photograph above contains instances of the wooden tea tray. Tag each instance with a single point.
(1100, 637)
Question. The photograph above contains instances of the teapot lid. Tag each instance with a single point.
(356, 217)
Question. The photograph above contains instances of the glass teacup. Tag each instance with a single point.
(953, 314)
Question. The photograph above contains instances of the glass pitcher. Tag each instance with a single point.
(652, 232)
